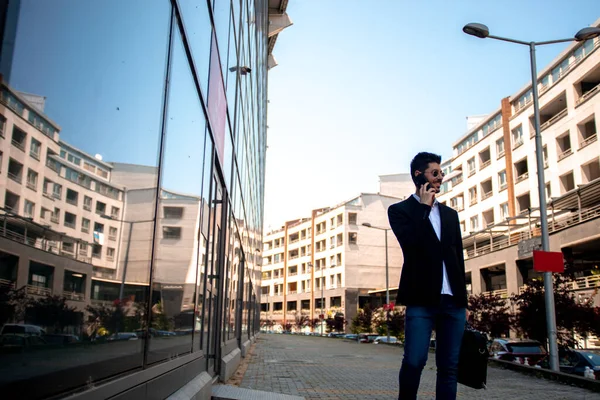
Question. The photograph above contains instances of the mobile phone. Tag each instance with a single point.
(421, 180)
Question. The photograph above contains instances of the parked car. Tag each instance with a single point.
(367, 337)
(351, 336)
(574, 362)
(19, 343)
(122, 336)
(384, 339)
(60, 339)
(22, 329)
(510, 349)
(335, 334)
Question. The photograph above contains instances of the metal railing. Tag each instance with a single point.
(522, 177)
(87, 207)
(572, 219)
(70, 224)
(585, 96)
(72, 201)
(501, 154)
(503, 293)
(487, 195)
(587, 282)
(14, 177)
(112, 237)
(7, 283)
(31, 185)
(292, 273)
(503, 186)
(39, 290)
(74, 296)
(457, 180)
(18, 145)
(473, 200)
(518, 143)
(485, 164)
(54, 219)
(35, 155)
(555, 118)
(472, 172)
(588, 141)
(565, 154)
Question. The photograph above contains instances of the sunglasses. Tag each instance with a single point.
(437, 173)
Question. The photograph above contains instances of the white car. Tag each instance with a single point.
(384, 339)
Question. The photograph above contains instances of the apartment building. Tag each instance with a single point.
(327, 263)
(492, 181)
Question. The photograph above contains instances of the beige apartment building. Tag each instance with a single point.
(74, 225)
(492, 181)
(327, 263)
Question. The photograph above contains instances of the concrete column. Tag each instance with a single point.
(22, 272)
(476, 280)
(512, 273)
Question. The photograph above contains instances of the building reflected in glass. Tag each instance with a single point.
(132, 146)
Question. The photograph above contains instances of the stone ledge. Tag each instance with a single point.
(561, 377)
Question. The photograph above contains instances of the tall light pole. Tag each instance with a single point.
(481, 31)
(387, 279)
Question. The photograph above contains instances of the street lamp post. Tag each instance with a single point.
(481, 31)
(387, 279)
(322, 315)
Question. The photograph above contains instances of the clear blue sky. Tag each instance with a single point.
(361, 86)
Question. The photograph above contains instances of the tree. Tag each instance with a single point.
(363, 321)
(13, 303)
(52, 312)
(314, 323)
(301, 321)
(287, 326)
(573, 315)
(490, 313)
(397, 323)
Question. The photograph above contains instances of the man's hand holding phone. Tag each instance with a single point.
(426, 192)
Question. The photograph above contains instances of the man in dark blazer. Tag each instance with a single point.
(432, 284)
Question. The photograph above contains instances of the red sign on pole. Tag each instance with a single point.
(321, 316)
(548, 261)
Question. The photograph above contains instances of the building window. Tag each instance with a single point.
(97, 251)
(100, 208)
(475, 223)
(173, 212)
(517, 136)
(57, 191)
(102, 173)
(114, 212)
(32, 180)
(72, 197)
(502, 180)
(70, 220)
(29, 209)
(99, 228)
(85, 225)
(352, 218)
(2, 125)
(112, 233)
(171, 232)
(35, 149)
(19, 138)
(504, 211)
(473, 195)
(471, 166)
(74, 159)
(110, 254)
(352, 238)
(500, 147)
(89, 167)
(68, 247)
(87, 203)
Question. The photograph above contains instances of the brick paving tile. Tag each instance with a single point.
(337, 369)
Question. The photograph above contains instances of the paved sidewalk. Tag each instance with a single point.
(325, 368)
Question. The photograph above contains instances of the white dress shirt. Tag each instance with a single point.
(436, 222)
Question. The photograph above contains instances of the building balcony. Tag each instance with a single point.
(87, 207)
(565, 154)
(593, 138)
(16, 178)
(503, 186)
(54, 219)
(472, 172)
(74, 296)
(555, 118)
(503, 293)
(487, 195)
(18, 145)
(38, 290)
(473, 201)
(31, 185)
(72, 201)
(518, 143)
(522, 177)
(587, 95)
(7, 283)
(501, 154)
(485, 164)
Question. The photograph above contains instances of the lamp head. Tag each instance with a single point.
(474, 29)
(587, 33)
(368, 225)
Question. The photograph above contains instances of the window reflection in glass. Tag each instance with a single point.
(180, 205)
(86, 90)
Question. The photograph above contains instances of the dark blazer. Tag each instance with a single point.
(421, 279)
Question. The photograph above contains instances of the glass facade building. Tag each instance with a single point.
(132, 156)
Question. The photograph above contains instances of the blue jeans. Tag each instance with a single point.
(449, 323)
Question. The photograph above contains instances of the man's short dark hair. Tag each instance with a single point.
(421, 163)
